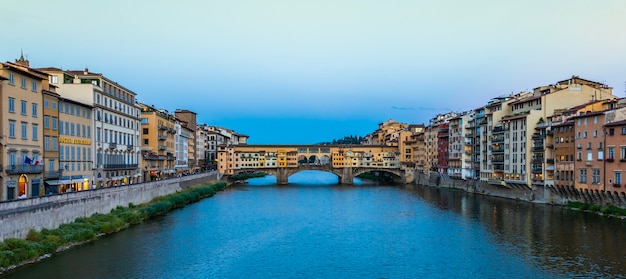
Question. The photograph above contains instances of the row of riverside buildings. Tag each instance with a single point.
(571, 134)
(66, 130)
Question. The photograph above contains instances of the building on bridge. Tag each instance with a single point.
(284, 160)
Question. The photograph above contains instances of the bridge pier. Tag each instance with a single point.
(282, 176)
(347, 177)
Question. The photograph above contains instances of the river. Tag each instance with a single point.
(313, 228)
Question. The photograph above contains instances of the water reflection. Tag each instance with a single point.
(566, 242)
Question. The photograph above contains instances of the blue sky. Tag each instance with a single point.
(309, 71)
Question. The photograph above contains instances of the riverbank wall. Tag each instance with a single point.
(536, 194)
(17, 217)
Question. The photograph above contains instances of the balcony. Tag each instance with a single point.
(610, 160)
(129, 147)
(162, 127)
(162, 147)
(162, 137)
(550, 161)
(171, 158)
(498, 130)
(617, 185)
(112, 145)
(120, 166)
(538, 148)
(20, 169)
(537, 170)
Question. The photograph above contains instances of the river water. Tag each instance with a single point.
(314, 228)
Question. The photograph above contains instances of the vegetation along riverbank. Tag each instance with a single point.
(15, 252)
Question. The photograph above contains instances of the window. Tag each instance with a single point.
(585, 134)
(24, 131)
(12, 129)
(624, 130)
(611, 154)
(61, 149)
(54, 105)
(55, 143)
(23, 83)
(46, 122)
(34, 89)
(589, 156)
(618, 178)
(23, 107)
(595, 133)
(145, 141)
(595, 176)
(34, 107)
(54, 79)
(46, 103)
(11, 79)
(54, 123)
(46, 143)
(35, 134)
(11, 105)
(145, 131)
(583, 176)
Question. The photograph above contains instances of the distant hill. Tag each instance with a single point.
(345, 140)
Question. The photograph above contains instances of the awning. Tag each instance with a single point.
(58, 182)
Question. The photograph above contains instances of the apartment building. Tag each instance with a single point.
(455, 147)
(589, 140)
(21, 118)
(75, 148)
(183, 139)
(564, 153)
(115, 121)
(615, 166)
(188, 120)
(158, 142)
(51, 162)
(443, 137)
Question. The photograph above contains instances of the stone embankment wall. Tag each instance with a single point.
(17, 217)
(538, 194)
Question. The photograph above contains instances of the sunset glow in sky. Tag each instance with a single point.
(310, 71)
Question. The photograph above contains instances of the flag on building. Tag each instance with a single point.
(38, 161)
(27, 161)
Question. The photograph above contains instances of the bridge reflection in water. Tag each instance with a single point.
(344, 161)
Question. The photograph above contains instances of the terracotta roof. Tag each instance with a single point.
(616, 123)
(525, 100)
(588, 114)
(49, 69)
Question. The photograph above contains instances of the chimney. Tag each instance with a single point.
(86, 70)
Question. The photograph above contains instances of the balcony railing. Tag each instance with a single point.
(162, 147)
(161, 137)
(112, 145)
(18, 169)
(120, 166)
(129, 147)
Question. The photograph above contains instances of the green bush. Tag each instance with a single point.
(14, 251)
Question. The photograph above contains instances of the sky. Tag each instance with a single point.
(303, 71)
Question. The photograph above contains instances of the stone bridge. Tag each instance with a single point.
(283, 161)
